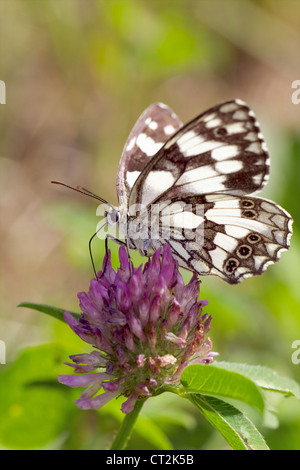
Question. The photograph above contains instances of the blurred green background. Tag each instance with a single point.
(78, 74)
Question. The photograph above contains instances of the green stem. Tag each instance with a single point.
(124, 433)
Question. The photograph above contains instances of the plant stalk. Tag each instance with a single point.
(124, 433)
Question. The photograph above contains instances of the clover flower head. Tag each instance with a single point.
(145, 325)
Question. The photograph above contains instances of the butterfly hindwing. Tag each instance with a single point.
(237, 237)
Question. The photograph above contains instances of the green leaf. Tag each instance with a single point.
(211, 380)
(34, 408)
(232, 424)
(55, 312)
(263, 377)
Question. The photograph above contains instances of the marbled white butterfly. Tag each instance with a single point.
(195, 184)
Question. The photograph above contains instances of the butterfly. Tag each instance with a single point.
(192, 186)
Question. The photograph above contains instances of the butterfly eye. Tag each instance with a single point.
(112, 217)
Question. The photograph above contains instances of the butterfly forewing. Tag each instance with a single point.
(221, 150)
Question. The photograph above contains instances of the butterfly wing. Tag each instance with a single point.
(228, 236)
(149, 134)
(209, 167)
(221, 150)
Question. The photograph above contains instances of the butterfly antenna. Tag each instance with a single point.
(84, 191)
(89, 193)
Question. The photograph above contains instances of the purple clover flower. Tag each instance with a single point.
(146, 327)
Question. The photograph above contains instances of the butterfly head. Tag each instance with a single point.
(112, 216)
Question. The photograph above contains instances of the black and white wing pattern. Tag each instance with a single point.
(221, 150)
(149, 134)
(204, 176)
(231, 237)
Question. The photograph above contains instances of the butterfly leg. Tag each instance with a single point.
(90, 248)
(116, 240)
(129, 257)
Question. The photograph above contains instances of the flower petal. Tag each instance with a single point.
(109, 274)
(129, 404)
(83, 380)
(81, 368)
(146, 326)
(124, 264)
(97, 402)
(94, 358)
